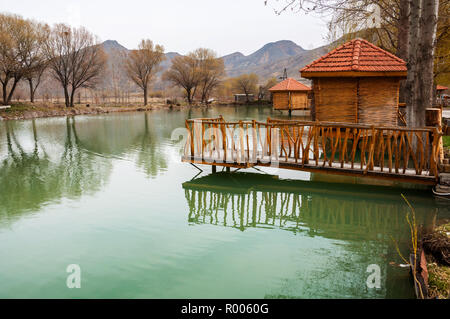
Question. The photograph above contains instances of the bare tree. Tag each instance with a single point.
(246, 83)
(17, 52)
(211, 69)
(75, 59)
(264, 92)
(34, 79)
(142, 64)
(35, 59)
(184, 72)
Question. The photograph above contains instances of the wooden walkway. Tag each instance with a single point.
(322, 147)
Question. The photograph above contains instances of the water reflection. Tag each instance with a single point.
(274, 237)
(361, 222)
(32, 173)
(244, 200)
(139, 137)
(43, 161)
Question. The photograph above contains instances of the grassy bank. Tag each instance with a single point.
(446, 141)
(437, 249)
(21, 111)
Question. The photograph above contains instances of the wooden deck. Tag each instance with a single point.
(395, 153)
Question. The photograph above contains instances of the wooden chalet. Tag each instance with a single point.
(357, 82)
(290, 95)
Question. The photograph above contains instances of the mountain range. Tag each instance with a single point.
(269, 61)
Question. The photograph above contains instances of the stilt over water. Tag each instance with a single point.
(394, 153)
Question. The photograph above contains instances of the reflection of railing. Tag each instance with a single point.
(346, 148)
(328, 209)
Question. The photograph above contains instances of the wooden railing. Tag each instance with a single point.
(307, 144)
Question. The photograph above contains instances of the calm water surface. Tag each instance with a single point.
(110, 194)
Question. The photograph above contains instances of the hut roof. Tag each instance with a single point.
(357, 57)
(289, 85)
(441, 88)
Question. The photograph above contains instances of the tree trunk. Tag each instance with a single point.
(145, 95)
(30, 82)
(428, 24)
(11, 92)
(403, 41)
(204, 101)
(188, 94)
(66, 97)
(72, 95)
(413, 110)
(4, 87)
(403, 30)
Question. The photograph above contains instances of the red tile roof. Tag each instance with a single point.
(440, 87)
(290, 85)
(357, 55)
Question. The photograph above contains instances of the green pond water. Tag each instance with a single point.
(110, 194)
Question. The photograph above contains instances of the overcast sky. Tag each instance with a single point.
(225, 26)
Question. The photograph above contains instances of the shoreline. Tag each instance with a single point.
(28, 112)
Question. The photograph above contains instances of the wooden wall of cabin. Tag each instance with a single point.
(367, 100)
(280, 100)
(335, 99)
(299, 100)
(378, 100)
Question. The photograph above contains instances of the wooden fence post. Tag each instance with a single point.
(433, 117)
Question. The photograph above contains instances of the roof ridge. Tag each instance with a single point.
(384, 51)
(326, 55)
(356, 53)
(290, 84)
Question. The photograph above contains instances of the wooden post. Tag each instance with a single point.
(433, 117)
(290, 104)
(227, 169)
(214, 168)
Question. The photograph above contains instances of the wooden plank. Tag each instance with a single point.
(389, 146)
(344, 147)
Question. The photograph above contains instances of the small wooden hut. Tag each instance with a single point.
(290, 95)
(357, 82)
(441, 99)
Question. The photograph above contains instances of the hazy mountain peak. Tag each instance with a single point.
(276, 50)
(235, 54)
(113, 44)
(284, 44)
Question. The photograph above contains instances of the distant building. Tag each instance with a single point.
(243, 98)
(290, 95)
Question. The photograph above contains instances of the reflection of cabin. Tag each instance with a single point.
(357, 82)
(290, 94)
(243, 97)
